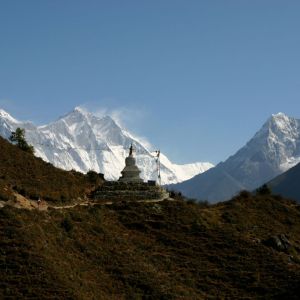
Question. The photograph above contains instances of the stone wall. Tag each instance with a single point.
(122, 191)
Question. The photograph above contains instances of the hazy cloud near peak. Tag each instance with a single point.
(127, 118)
(6, 104)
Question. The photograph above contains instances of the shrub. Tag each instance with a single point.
(264, 190)
(92, 176)
(244, 194)
(67, 224)
(191, 201)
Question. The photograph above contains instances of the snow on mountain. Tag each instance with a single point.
(82, 141)
(273, 149)
(283, 140)
(186, 171)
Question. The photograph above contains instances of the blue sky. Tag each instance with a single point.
(197, 78)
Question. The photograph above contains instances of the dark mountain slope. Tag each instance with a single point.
(214, 184)
(287, 184)
(167, 250)
(32, 177)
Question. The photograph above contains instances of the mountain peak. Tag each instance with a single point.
(279, 115)
(279, 122)
(78, 113)
(81, 111)
(3, 113)
(6, 115)
(282, 122)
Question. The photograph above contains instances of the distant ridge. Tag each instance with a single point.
(274, 149)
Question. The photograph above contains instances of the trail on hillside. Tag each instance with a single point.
(22, 202)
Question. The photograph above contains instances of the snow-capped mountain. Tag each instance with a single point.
(84, 142)
(274, 149)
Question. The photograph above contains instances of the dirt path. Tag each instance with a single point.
(23, 203)
(92, 203)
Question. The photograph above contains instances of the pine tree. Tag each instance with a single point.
(18, 137)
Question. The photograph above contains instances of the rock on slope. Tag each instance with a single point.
(84, 142)
(274, 149)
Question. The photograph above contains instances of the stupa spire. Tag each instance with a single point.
(131, 172)
(131, 150)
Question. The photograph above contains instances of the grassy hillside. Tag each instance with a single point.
(166, 250)
(32, 177)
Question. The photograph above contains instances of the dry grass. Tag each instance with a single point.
(32, 177)
(168, 250)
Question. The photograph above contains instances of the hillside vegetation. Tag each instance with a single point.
(30, 176)
(166, 250)
(247, 248)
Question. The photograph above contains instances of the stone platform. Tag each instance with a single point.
(131, 191)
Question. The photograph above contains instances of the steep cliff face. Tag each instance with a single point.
(82, 141)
